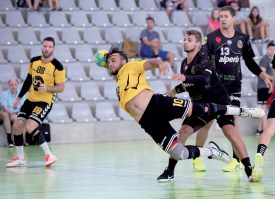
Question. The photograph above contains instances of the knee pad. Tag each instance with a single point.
(37, 136)
(193, 151)
(198, 109)
(180, 152)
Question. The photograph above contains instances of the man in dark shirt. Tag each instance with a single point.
(201, 81)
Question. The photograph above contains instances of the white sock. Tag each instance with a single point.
(45, 148)
(205, 152)
(20, 151)
(231, 110)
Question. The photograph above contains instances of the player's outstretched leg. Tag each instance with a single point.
(218, 153)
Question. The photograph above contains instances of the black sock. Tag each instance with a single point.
(261, 149)
(18, 140)
(217, 109)
(172, 164)
(9, 138)
(235, 156)
(247, 166)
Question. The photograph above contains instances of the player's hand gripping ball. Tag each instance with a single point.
(100, 58)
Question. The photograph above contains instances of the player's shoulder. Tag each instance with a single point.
(241, 35)
(36, 58)
(57, 64)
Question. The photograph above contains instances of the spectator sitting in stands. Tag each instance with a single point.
(57, 5)
(255, 26)
(151, 46)
(214, 21)
(8, 98)
(170, 5)
(33, 4)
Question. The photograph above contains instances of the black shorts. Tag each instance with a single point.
(262, 95)
(271, 112)
(36, 111)
(157, 116)
(197, 122)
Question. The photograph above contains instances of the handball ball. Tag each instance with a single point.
(100, 58)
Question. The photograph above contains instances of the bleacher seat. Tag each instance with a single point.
(113, 36)
(23, 71)
(175, 35)
(90, 91)
(81, 112)
(80, 19)
(172, 48)
(69, 93)
(109, 90)
(180, 18)
(192, 6)
(139, 18)
(148, 5)
(15, 19)
(26, 36)
(123, 115)
(205, 4)
(71, 36)
(129, 5)
(7, 37)
(2, 25)
(84, 53)
(108, 5)
(161, 18)
(68, 5)
(88, 5)
(98, 73)
(58, 19)
(104, 111)
(17, 54)
(100, 19)
(92, 36)
(6, 5)
(158, 86)
(6, 72)
(247, 87)
(76, 72)
(2, 59)
(246, 73)
(36, 51)
(63, 53)
(50, 32)
(150, 75)
(121, 19)
(36, 19)
(200, 17)
(59, 114)
(134, 33)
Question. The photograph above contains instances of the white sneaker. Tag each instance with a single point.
(50, 159)
(218, 153)
(252, 112)
(16, 162)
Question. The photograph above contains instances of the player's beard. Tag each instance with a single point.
(191, 50)
(47, 56)
(116, 71)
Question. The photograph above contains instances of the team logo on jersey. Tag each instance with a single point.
(240, 44)
(218, 39)
(229, 42)
(193, 70)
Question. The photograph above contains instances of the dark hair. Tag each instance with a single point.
(230, 9)
(49, 39)
(196, 33)
(116, 50)
(150, 18)
(258, 18)
(271, 43)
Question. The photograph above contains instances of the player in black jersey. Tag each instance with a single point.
(201, 81)
(226, 47)
(265, 137)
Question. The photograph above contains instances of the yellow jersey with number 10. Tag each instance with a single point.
(47, 73)
(131, 80)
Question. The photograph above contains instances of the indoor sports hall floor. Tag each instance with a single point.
(127, 170)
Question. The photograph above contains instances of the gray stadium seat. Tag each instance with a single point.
(17, 54)
(113, 36)
(58, 19)
(134, 34)
(68, 5)
(108, 5)
(36, 19)
(172, 48)
(121, 19)
(6, 5)
(81, 112)
(71, 36)
(180, 18)
(150, 75)
(100, 19)
(63, 53)
(148, 5)
(129, 5)
(90, 91)
(192, 6)
(23, 71)
(15, 19)
(36, 51)
(76, 72)
(98, 73)
(84, 53)
(26, 36)
(69, 93)
(88, 5)
(109, 90)
(123, 115)
(161, 18)
(2, 59)
(59, 114)
(247, 86)
(1, 23)
(80, 19)
(7, 37)
(245, 71)
(92, 36)
(205, 4)
(104, 111)
(50, 32)
(158, 86)
(6, 72)
(199, 18)
(175, 35)
(139, 18)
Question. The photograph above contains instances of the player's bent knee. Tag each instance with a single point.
(180, 152)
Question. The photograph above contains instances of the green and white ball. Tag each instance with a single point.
(100, 58)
